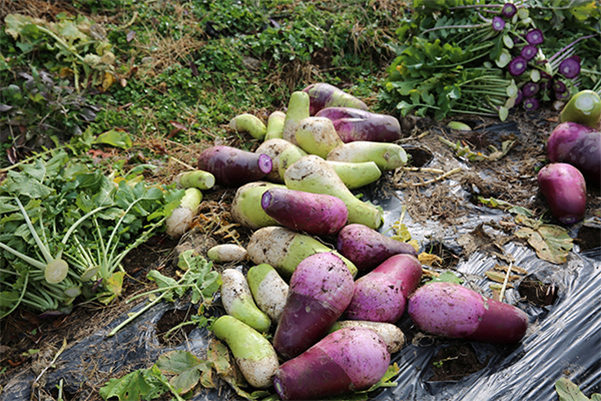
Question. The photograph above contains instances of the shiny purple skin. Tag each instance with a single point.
(578, 145)
(321, 288)
(234, 167)
(564, 188)
(380, 295)
(453, 311)
(347, 360)
(367, 248)
(316, 214)
(322, 95)
(360, 125)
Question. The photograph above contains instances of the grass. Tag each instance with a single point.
(183, 69)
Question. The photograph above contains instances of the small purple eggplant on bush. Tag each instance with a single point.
(564, 188)
(453, 311)
(232, 166)
(347, 360)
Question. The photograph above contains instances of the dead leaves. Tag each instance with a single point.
(550, 242)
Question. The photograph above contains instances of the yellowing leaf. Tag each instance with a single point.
(551, 243)
(108, 81)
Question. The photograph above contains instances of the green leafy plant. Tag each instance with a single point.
(466, 57)
(65, 227)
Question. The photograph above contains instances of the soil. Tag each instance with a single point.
(511, 178)
(455, 362)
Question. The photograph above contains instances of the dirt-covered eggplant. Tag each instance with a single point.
(246, 207)
(390, 333)
(381, 295)
(367, 248)
(361, 125)
(313, 174)
(453, 311)
(269, 290)
(250, 124)
(583, 108)
(317, 136)
(238, 301)
(347, 360)
(388, 156)
(253, 353)
(284, 249)
(324, 95)
(564, 188)
(315, 214)
(321, 288)
(578, 145)
(232, 166)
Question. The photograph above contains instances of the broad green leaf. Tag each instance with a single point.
(447, 277)
(21, 184)
(568, 391)
(118, 139)
(138, 385)
(186, 366)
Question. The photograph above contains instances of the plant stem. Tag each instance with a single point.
(34, 233)
(135, 315)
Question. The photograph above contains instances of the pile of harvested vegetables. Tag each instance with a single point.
(320, 302)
